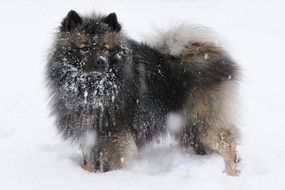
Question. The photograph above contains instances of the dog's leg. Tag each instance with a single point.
(88, 160)
(195, 141)
(116, 150)
(224, 141)
(87, 144)
(88, 165)
(210, 118)
(189, 138)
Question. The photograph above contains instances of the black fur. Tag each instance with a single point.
(71, 21)
(112, 21)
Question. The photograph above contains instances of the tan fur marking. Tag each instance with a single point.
(111, 39)
(83, 45)
(107, 46)
(196, 49)
(224, 141)
(199, 52)
(88, 167)
(119, 150)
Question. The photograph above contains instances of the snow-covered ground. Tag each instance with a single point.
(34, 157)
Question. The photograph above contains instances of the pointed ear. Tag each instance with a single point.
(71, 21)
(111, 21)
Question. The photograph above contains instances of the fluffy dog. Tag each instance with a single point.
(113, 95)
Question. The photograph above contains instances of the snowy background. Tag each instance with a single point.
(32, 156)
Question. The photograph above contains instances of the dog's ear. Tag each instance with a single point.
(112, 21)
(71, 21)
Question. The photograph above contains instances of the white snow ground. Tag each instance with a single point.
(32, 155)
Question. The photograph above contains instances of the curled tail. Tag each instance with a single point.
(173, 40)
(200, 52)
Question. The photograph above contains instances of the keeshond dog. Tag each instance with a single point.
(113, 95)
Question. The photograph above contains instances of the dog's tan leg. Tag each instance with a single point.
(89, 159)
(116, 151)
(211, 115)
(224, 142)
(88, 142)
(88, 165)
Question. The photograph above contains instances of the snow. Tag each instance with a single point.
(174, 122)
(34, 157)
(206, 56)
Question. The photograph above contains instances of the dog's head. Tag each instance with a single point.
(90, 43)
(90, 59)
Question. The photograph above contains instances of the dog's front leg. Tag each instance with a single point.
(116, 150)
(88, 143)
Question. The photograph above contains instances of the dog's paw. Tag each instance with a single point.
(102, 166)
(234, 169)
(88, 166)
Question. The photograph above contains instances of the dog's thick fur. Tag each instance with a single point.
(113, 110)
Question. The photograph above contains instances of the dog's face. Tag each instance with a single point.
(91, 59)
(91, 43)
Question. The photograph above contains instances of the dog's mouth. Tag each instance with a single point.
(92, 68)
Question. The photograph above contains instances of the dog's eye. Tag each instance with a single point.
(106, 48)
(83, 48)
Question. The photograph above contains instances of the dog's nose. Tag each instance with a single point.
(100, 61)
(100, 64)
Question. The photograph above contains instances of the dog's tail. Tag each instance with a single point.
(174, 40)
(200, 52)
